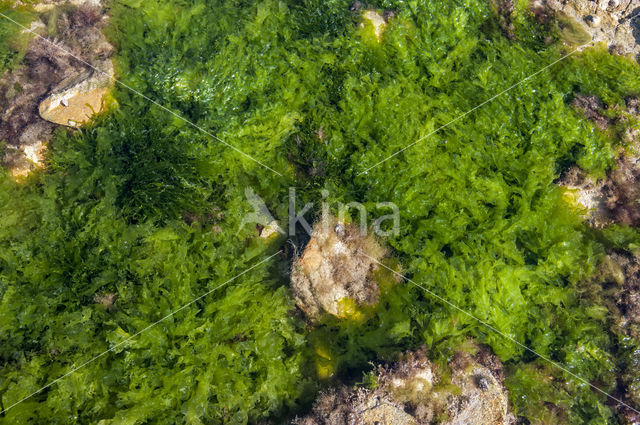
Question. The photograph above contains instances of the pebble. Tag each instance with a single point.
(593, 20)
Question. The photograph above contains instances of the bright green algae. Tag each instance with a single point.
(482, 223)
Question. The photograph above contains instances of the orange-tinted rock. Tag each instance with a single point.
(77, 99)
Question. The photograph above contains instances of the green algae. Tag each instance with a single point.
(482, 223)
(12, 41)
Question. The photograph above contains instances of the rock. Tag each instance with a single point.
(107, 300)
(615, 23)
(616, 286)
(25, 159)
(78, 97)
(619, 273)
(47, 70)
(407, 394)
(593, 20)
(483, 400)
(384, 413)
(46, 5)
(335, 271)
(587, 195)
(592, 108)
(378, 21)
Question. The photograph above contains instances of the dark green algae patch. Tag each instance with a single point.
(142, 205)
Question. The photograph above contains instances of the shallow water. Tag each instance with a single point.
(482, 223)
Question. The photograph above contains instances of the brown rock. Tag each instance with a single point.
(592, 108)
(107, 300)
(504, 11)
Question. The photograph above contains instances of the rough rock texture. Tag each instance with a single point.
(360, 407)
(408, 392)
(107, 300)
(335, 270)
(613, 22)
(79, 31)
(592, 108)
(627, 298)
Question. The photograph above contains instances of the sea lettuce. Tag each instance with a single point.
(143, 204)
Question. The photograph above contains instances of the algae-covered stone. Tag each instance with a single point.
(72, 92)
(335, 272)
(413, 391)
(611, 22)
(377, 20)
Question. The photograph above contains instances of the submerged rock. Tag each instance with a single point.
(412, 391)
(107, 300)
(615, 23)
(78, 97)
(378, 22)
(616, 285)
(504, 11)
(48, 71)
(592, 108)
(271, 229)
(335, 272)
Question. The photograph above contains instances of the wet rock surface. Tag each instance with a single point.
(335, 270)
(613, 22)
(377, 20)
(46, 72)
(413, 391)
